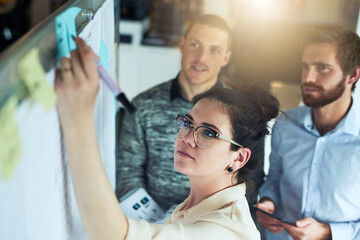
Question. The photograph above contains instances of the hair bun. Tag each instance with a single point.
(268, 103)
(263, 100)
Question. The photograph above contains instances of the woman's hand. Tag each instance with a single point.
(308, 229)
(268, 222)
(77, 84)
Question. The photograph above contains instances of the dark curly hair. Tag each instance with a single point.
(249, 108)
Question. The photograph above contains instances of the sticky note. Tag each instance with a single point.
(104, 55)
(34, 77)
(65, 28)
(10, 146)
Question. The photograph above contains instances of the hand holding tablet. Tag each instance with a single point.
(275, 216)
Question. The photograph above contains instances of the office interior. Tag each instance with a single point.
(267, 36)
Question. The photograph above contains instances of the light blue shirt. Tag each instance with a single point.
(316, 176)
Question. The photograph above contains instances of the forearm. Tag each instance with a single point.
(77, 88)
(98, 206)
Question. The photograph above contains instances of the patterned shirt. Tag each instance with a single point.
(316, 176)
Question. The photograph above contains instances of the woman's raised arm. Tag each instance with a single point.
(77, 84)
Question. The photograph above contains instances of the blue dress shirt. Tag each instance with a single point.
(316, 176)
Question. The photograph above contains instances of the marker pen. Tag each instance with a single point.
(114, 88)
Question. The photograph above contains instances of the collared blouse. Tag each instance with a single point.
(224, 215)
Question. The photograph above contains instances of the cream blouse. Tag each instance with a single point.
(224, 215)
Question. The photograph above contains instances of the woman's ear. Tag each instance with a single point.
(241, 159)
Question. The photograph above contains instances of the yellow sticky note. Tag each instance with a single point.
(34, 77)
(10, 147)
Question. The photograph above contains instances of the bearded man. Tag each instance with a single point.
(314, 177)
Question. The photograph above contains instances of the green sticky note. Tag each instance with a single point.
(10, 147)
(34, 77)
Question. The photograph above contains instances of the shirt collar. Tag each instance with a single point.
(349, 124)
(212, 203)
(175, 90)
(307, 120)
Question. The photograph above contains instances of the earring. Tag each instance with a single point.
(229, 169)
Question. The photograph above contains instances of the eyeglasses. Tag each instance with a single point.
(204, 136)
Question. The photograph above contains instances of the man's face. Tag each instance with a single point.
(204, 52)
(323, 81)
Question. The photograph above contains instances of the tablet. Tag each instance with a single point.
(275, 216)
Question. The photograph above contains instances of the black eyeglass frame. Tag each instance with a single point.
(191, 126)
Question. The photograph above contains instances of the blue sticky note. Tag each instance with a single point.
(65, 28)
(104, 55)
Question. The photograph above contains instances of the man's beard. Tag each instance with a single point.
(325, 97)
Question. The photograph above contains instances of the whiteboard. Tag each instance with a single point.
(36, 198)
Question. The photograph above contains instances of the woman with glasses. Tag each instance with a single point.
(216, 148)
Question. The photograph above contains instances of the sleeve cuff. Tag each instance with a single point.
(133, 230)
(341, 231)
(267, 193)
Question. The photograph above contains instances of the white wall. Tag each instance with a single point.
(142, 67)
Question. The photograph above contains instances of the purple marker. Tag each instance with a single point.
(114, 88)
